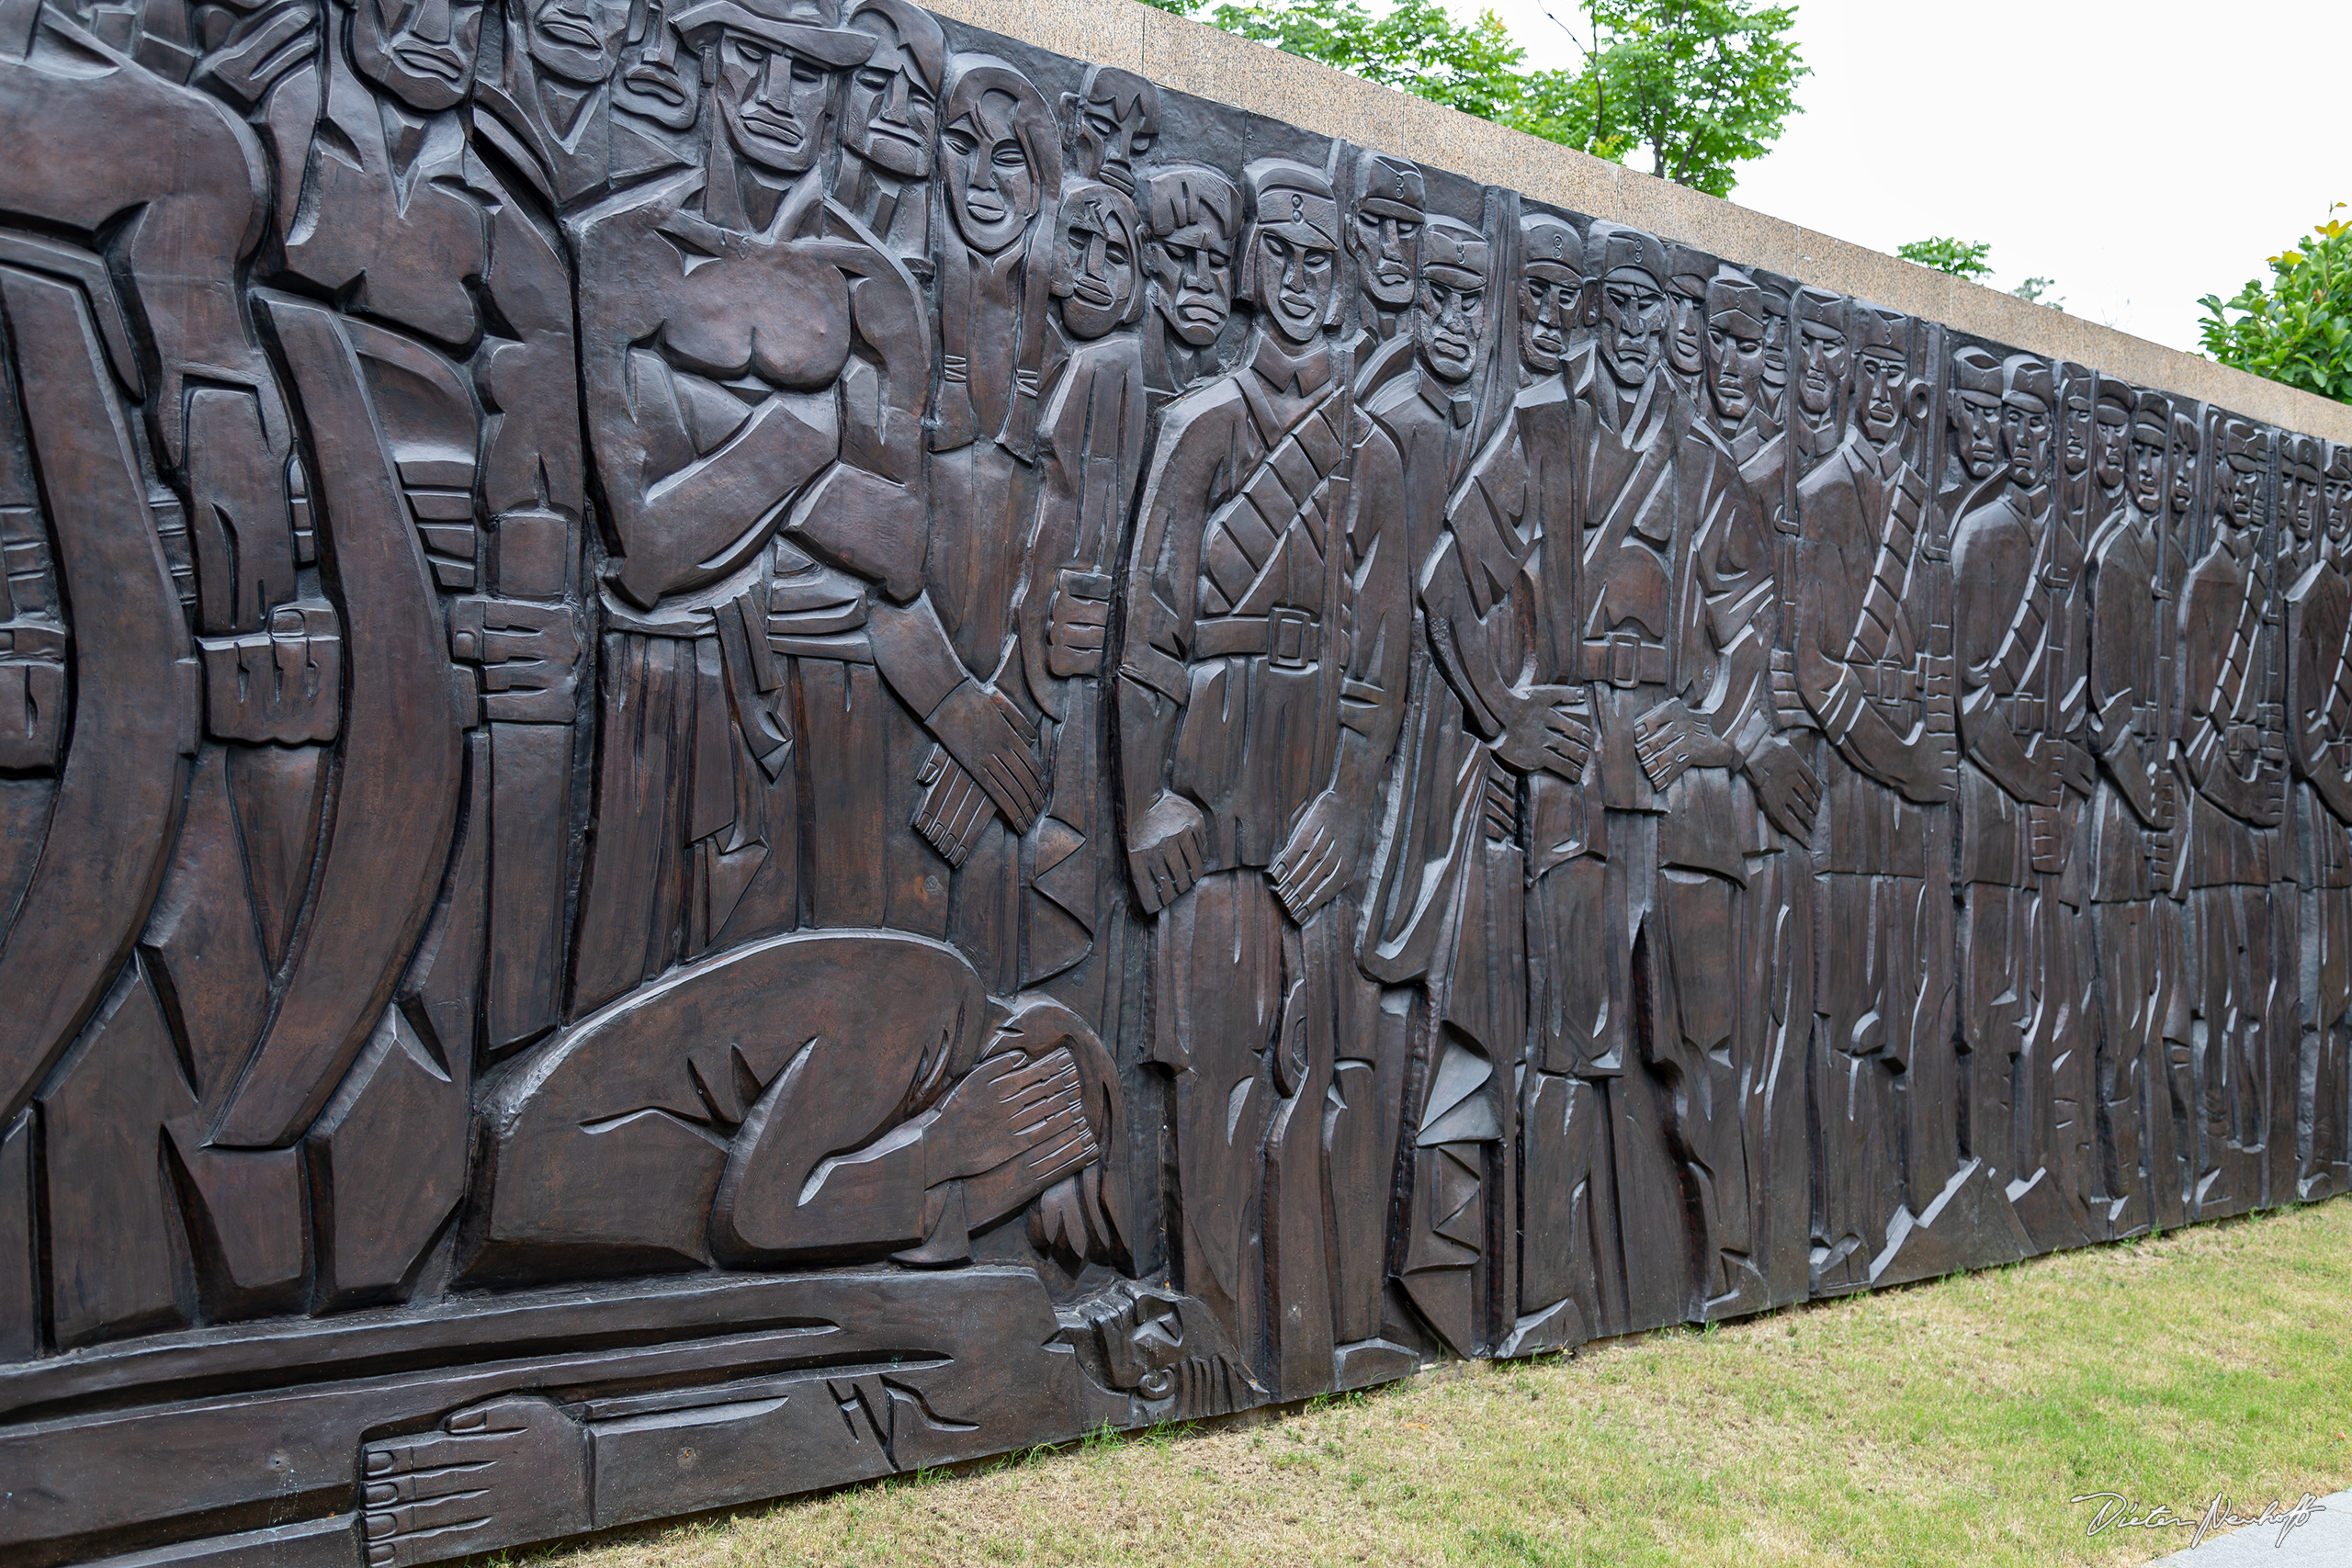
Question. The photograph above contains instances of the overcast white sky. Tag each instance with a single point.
(2140, 153)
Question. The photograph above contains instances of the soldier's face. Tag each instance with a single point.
(1975, 421)
(1735, 364)
(1192, 276)
(1295, 278)
(1776, 354)
(2183, 479)
(1547, 301)
(1821, 356)
(2025, 441)
(578, 41)
(1633, 325)
(2302, 509)
(1449, 323)
(2147, 475)
(992, 189)
(891, 118)
(2244, 498)
(1094, 268)
(1386, 247)
(651, 86)
(2337, 500)
(2074, 438)
(1111, 140)
(777, 105)
(1878, 390)
(2112, 441)
(1685, 343)
(421, 51)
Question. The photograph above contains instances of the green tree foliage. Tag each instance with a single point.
(1958, 257)
(1415, 46)
(2036, 291)
(2299, 330)
(1700, 84)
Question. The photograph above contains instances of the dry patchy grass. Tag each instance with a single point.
(1940, 1424)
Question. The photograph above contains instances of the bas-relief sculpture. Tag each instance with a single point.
(747, 743)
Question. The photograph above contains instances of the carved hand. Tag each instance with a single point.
(1670, 739)
(1319, 858)
(514, 1468)
(1501, 803)
(1933, 775)
(983, 730)
(1549, 729)
(952, 809)
(1166, 851)
(2126, 756)
(529, 656)
(283, 684)
(2266, 798)
(1077, 624)
(1003, 1109)
(1789, 711)
(2071, 761)
(1785, 786)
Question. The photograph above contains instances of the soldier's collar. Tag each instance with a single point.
(1300, 374)
(1455, 406)
(1817, 440)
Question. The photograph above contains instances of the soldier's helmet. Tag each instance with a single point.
(1735, 303)
(1454, 254)
(1550, 249)
(2026, 383)
(1611, 249)
(1389, 187)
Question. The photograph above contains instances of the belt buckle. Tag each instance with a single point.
(1624, 661)
(1287, 641)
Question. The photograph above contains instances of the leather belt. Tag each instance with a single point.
(1887, 681)
(1287, 639)
(2028, 712)
(1625, 660)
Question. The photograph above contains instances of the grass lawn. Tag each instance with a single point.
(1941, 1424)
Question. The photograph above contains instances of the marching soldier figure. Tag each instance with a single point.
(1662, 610)
(1776, 910)
(2131, 840)
(1820, 359)
(1384, 238)
(1260, 692)
(1449, 914)
(1191, 217)
(1866, 674)
(2232, 757)
(2009, 567)
(890, 125)
(1551, 283)
(1688, 274)
(1734, 350)
(2319, 695)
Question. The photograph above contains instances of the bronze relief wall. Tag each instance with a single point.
(745, 744)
